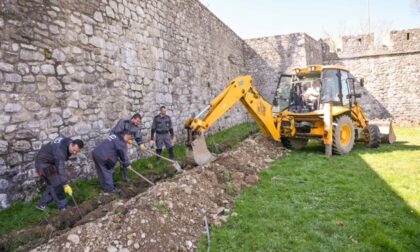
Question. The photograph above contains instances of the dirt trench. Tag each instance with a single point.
(89, 210)
(169, 216)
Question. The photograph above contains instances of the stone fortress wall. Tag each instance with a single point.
(73, 68)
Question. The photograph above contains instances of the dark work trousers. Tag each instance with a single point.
(105, 175)
(54, 190)
(164, 139)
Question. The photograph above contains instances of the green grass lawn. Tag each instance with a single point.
(21, 215)
(368, 200)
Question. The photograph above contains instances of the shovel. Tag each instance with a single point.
(174, 163)
(77, 206)
(141, 176)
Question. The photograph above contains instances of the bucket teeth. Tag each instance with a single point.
(198, 153)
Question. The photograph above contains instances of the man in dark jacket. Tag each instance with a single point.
(129, 125)
(49, 163)
(162, 126)
(106, 155)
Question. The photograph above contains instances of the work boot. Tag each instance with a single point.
(115, 190)
(41, 207)
(64, 208)
(171, 153)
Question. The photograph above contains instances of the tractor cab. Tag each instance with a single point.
(308, 88)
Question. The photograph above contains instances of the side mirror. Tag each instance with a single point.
(275, 103)
(362, 82)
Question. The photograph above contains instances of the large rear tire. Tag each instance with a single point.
(343, 135)
(373, 136)
(293, 143)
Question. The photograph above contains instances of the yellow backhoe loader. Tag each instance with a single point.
(314, 102)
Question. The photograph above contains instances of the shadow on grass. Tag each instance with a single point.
(308, 202)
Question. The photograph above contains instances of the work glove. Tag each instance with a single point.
(130, 141)
(142, 147)
(68, 190)
(152, 138)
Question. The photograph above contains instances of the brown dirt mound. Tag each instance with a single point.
(169, 216)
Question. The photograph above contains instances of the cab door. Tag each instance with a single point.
(282, 92)
(345, 89)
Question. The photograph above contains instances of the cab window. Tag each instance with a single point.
(330, 91)
(345, 87)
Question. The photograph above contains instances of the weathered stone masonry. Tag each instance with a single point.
(73, 67)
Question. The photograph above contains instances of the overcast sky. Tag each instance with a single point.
(257, 18)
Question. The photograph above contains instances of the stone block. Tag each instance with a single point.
(47, 69)
(21, 146)
(56, 120)
(31, 55)
(12, 107)
(6, 67)
(88, 29)
(97, 41)
(58, 55)
(54, 84)
(4, 203)
(3, 147)
(12, 77)
(32, 106)
(82, 128)
(98, 16)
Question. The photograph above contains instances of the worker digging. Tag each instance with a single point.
(105, 157)
(132, 126)
(49, 164)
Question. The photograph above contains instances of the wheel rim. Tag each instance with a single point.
(345, 134)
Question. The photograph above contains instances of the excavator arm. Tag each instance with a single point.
(239, 89)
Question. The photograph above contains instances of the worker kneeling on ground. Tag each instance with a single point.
(162, 126)
(106, 155)
(129, 125)
(49, 163)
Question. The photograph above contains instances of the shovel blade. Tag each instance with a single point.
(198, 153)
(177, 167)
(386, 130)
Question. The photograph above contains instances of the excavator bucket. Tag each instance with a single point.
(198, 153)
(387, 132)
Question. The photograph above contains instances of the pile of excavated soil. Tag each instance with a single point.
(169, 215)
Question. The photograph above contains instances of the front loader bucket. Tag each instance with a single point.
(387, 132)
(198, 152)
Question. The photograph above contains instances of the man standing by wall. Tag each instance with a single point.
(162, 126)
(106, 155)
(129, 125)
(49, 163)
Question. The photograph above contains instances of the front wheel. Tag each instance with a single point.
(293, 143)
(343, 135)
(372, 135)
